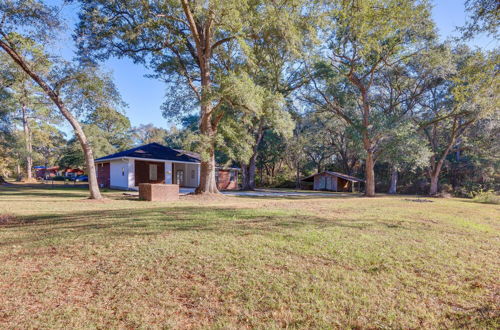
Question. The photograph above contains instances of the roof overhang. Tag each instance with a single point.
(144, 159)
(338, 175)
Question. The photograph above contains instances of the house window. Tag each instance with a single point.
(123, 171)
(217, 176)
(192, 174)
(153, 172)
(233, 176)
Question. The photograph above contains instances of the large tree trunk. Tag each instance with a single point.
(433, 190)
(394, 181)
(244, 176)
(252, 169)
(18, 171)
(28, 146)
(249, 172)
(434, 174)
(208, 184)
(95, 193)
(202, 35)
(367, 142)
(369, 175)
(82, 138)
(434, 171)
(435, 167)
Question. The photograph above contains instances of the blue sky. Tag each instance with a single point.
(144, 96)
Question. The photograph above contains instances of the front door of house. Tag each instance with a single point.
(180, 177)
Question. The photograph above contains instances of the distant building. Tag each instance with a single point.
(332, 181)
(43, 172)
(46, 173)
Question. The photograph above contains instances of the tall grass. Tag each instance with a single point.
(486, 197)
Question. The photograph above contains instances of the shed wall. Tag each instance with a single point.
(191, 175)
(103, 175)
(119, 174)
(325, 182)
(142, 172)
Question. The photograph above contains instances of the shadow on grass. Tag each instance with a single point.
(294, 197)
(155, 221)
(43, 191)
(82, 191)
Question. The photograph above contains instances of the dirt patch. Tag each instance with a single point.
(419, 200)
(205, 197)
(98, 201)
(428, 221)
(29, 181)
(8, 219)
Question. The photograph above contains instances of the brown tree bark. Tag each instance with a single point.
(244, 176)
(436, 166)
(82, 138)
(208, 184)
(207, 177)
(367, 142)
(249, 172)
(434, 171)
(18, 171)
(370, 175)
(251, 168)
(28, 143)
(433, 190)
(203, 37)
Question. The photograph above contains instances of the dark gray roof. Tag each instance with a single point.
(153, 151)
(337, 174)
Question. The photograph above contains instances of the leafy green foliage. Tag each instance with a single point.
(405, 149)
(486, 197)
(484, 17)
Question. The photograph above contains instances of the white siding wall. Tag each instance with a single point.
(131, 174)
(168, 172)
(119, 170)
(191, 177)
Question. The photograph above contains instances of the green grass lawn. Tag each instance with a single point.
(331, 262)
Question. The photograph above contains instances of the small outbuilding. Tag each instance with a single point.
(332, 181)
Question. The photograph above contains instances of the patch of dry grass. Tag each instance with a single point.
(246, 262)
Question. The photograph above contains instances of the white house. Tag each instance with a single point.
(150, 163)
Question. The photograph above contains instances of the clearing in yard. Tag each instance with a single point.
(246, 262)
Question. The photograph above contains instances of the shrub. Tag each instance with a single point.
(447, 188)
(487, 197)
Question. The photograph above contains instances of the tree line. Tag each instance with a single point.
(282, 88)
